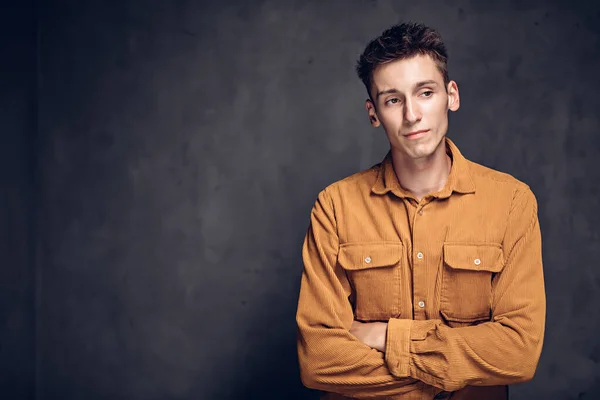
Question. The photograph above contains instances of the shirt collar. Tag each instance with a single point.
(459, 179)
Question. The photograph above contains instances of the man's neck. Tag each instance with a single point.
(425, 175)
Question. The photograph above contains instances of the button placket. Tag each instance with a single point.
(418, 276)
(420, 264)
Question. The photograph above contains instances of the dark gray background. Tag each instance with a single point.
(160, 159)
(18, 129)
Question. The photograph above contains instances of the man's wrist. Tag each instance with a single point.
(397, 350)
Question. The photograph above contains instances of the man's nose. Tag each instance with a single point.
(412, 113)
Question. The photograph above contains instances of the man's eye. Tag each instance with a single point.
(392, 101)
(427, 93)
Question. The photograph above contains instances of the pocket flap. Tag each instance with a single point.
(479, 257)
(356, 256)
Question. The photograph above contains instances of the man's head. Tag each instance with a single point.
(405, 74)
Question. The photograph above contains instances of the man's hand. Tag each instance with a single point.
(373, 334)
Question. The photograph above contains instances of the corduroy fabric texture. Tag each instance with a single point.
(457, 276)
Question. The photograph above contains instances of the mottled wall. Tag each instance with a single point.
(17, 135)
(182, 145)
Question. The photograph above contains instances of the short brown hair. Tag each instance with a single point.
(402, 41)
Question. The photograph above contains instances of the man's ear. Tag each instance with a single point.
(453, 96)
(373, 119)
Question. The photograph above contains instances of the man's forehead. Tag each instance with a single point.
(406, 73)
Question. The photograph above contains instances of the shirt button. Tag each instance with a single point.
(477, 261)
(419, 255)
(421, 212)
(368, 260)
(421, 304)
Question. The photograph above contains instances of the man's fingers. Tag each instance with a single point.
(354, 328)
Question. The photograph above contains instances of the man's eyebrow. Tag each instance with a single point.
(425, 83)
(417, 86)
(387, 91)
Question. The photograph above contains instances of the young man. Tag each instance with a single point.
(423, 274)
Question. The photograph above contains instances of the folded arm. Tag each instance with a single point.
(503, 351)
(331, 358)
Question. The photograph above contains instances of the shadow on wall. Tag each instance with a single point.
(269, 367)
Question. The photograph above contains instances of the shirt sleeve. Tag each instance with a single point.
(330, 358)
(504, 350)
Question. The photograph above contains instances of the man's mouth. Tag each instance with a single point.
(416, 134)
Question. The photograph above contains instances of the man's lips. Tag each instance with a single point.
(416, 134)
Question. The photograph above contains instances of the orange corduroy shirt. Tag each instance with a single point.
(457, 276)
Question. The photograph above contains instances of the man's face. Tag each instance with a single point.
(412, 104)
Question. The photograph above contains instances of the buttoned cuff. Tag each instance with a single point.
(397, 347)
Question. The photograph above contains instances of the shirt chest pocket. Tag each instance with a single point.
(373, 270)
(466, 293)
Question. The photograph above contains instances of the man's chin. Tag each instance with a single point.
(421, 150)
(412, 154)
(424, 149)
